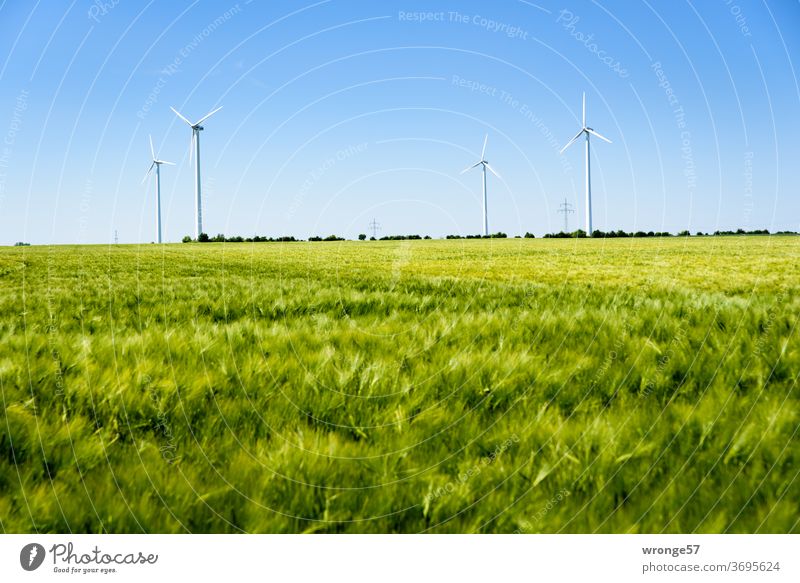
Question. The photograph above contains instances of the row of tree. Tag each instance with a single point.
(597, 234)
(492, 236)
(579, 234)
(204, 238)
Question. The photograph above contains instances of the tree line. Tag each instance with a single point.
(579, 234)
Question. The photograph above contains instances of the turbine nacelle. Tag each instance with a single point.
(483, 161)
(154, 161)
(196, 125)
(584, 130)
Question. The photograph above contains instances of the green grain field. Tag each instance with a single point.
(627, 385)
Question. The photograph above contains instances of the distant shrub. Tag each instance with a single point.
(530, 236)
(203, 238)
(742, 232)
(328, 238)
(220, 238)
(400, 237)
(362, 237)
(498, 235)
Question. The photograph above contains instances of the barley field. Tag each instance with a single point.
(626, 385)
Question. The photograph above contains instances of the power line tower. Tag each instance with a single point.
(566, 208)
(375, 226)
(116, 237)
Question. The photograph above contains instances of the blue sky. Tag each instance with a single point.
(337, 112)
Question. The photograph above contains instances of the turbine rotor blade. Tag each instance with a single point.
(490, 169)
(584, 109)
(202, 119)
(572, 141)
(594, 133)
(165, 162)
(471, 167)
(148, 172)
(180, 116)
(483, 152)
(152, 151)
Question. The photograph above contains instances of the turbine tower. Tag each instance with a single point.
(586, 130)
(486, 167)
(157, 164)
(195, 145)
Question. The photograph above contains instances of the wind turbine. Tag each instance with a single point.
(486, 167)
(157, 164)
(195, 144)
(586, 130)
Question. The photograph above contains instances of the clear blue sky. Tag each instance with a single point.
(339, 111)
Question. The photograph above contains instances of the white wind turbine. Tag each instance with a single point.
(586, 130)
(196, 129)
(157, 164)
(486, 167)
